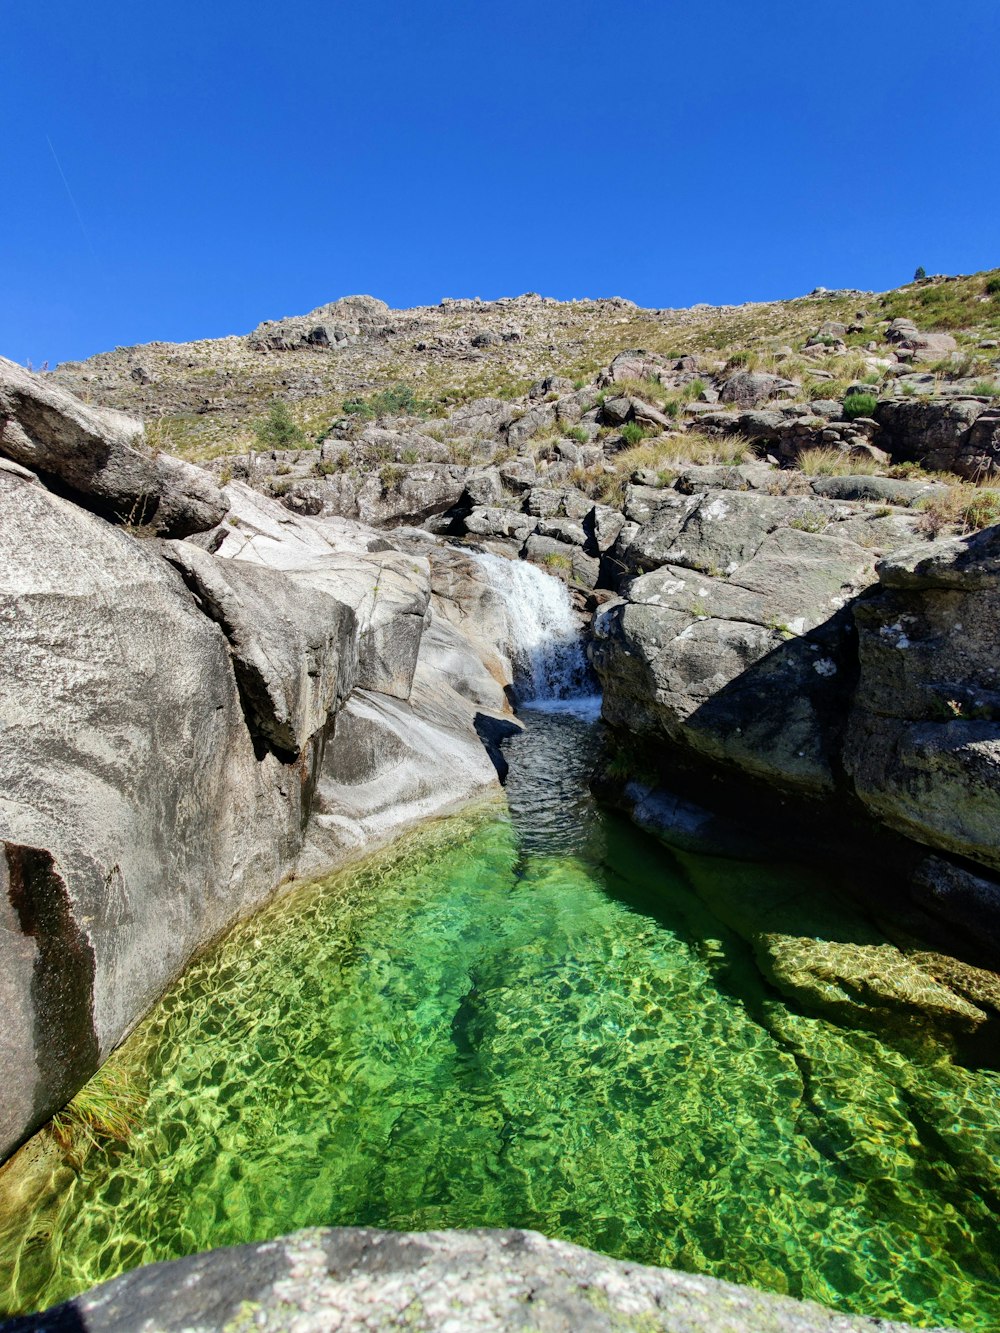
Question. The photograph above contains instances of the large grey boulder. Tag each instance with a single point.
(716, 531)
(922, 346)
(483, 418)
(353, 1278)
(934, 432)
(752, 388)
(878, 490)
(748, 672)
(734, 645)
(634, 364)
(96, 455)
(923, 744)
(396, 761)
(136, 819)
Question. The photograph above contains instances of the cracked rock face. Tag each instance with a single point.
(128, 777)
(354, 1278)
(736, 643)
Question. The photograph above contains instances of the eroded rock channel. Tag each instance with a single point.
(321, 853)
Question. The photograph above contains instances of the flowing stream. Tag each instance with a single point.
(535, 1016)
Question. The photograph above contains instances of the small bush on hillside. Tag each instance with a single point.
(576, 433)
(993, 287)
(556, 560)
(964, 506)
(396, 400)
(986, 389)
(632, 433)
(859, 405)
(920, 274)
(390, 475)
(279, 430)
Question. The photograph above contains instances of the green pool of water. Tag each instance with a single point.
(540, 1020)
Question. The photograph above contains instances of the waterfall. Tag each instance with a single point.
(542, 637)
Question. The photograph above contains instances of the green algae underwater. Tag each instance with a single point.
(538, 1018)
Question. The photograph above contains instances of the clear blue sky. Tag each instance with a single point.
(229, 162)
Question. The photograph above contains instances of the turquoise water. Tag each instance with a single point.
(544, 1019)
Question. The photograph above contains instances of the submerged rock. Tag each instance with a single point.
(436, 1281)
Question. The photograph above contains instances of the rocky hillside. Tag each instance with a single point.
(777, 522)
(207, 396)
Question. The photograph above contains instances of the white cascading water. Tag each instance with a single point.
(542, 637)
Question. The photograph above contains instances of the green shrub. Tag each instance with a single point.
(396, 400)
(556, 560)
(326, 467)
(809, 523)
(859, 405)
(920, 274)
(279, 430)
(963, 506)
(993, 287)
(577, 433)
(632, 433)
(390, 475)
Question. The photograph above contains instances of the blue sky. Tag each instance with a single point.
(228, 163)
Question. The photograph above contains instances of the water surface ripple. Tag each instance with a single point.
(540, 1020)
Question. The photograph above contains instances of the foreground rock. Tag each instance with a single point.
(438, 1282)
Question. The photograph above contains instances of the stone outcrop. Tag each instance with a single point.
(923, 744)
(938, 434)
(921, 345)
(734, 642)
(186, 724)
(761, 635)
(338, 324)
(93, 455)
(433, 1282)
(748, 388)
(136, 819)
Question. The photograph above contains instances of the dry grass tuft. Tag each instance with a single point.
(836, 463)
